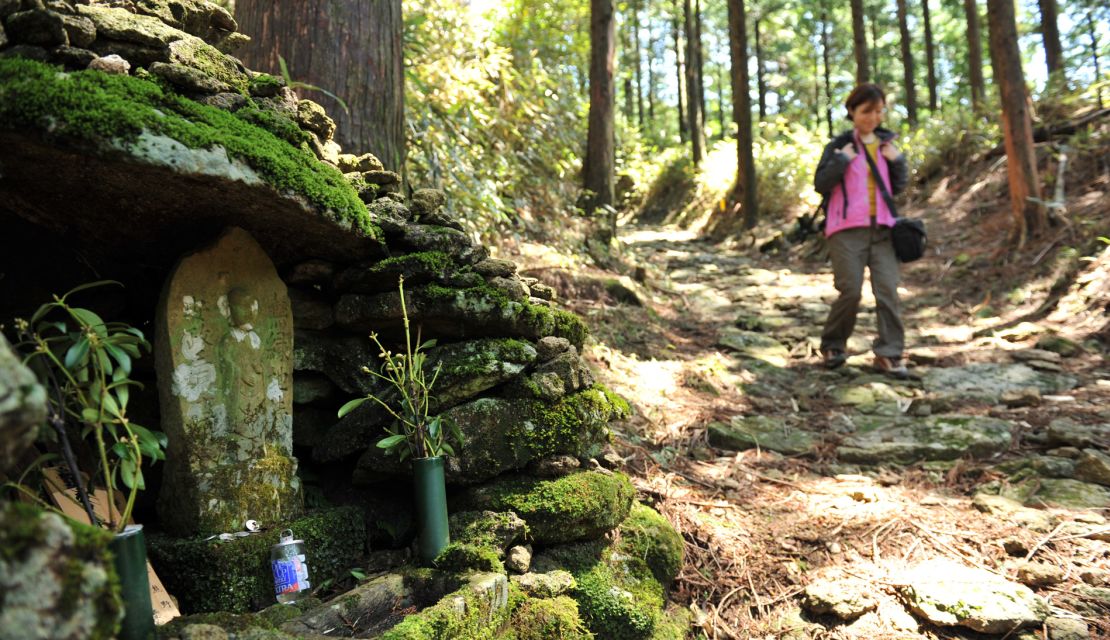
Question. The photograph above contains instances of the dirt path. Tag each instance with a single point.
(806, 497)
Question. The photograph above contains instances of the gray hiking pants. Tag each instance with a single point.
(851, 250)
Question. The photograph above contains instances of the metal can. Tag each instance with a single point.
(287, 560)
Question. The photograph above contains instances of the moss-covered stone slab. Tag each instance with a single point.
(1068, 432)
(988, 381)
(235, 576)
(487, 529)
(755, 345)
(872, 397)
(1093, 466)
(647, 535)
(478, 311)
(471, 367)
(224, 332)
(580, 506)
(362, 610)
(22, 407)
(56, 578)
(764, 432)
(907, 440)
(617, 595)
(947, 593)
(501, 435)
(382, 276)
(1035, 491)
(211, 167)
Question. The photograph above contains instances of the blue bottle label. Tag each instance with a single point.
(289, 574)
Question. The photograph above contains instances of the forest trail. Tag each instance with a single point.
(806, 496)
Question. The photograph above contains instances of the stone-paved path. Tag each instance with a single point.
(971, 498)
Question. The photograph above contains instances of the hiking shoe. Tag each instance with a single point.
(893, 367)
(833, 358)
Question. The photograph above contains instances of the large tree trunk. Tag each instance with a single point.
(859, 41)
(930, 56)
(600, 144)
(975, 50)
(760, 81)
(680, 67)
(695, 116)
(907, 64)
(1017, 126)
(828, 72)
(1053, 52)
(322, 41)
(742, 112)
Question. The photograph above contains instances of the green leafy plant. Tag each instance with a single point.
(414, 432)
(85, 363)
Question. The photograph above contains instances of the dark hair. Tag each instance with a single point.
(864, 94)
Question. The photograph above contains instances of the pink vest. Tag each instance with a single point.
(857, 212)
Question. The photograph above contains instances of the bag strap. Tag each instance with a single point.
(879, 181)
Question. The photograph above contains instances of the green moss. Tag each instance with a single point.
(547, 619)
(574, 507)
(265, 81)
(91, 107)
(235, 576)
(617, 595)
(22, 533)
(477, 619)
(462, 556)
(650, 537)
(232, 622)
(539, 320)
(571, 327)
(487, 528)
(572, 425)
(673, 625)
(275, 123)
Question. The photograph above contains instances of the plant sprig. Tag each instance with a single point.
(414, 432)
(86, 363)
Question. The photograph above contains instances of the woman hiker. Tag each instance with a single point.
(857, 228)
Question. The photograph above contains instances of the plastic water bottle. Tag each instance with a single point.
(290, 569)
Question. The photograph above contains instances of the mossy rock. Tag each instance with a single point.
(235, 576)
(58, 577)
(501, 435)
(649, 536)
(476, 612)
(487, 528)
(465, 557)
(547, 618)
(617, 595)
(580, 506)
(382, 276)
(461, 313)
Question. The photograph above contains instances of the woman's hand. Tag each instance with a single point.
(890, 152)
(849, 150)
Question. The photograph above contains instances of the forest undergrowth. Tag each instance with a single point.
(760, 526)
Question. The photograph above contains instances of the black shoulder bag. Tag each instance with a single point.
(908, 234)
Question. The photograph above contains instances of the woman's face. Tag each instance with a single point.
(867, 116)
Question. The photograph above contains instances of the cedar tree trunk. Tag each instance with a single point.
(349, 48)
